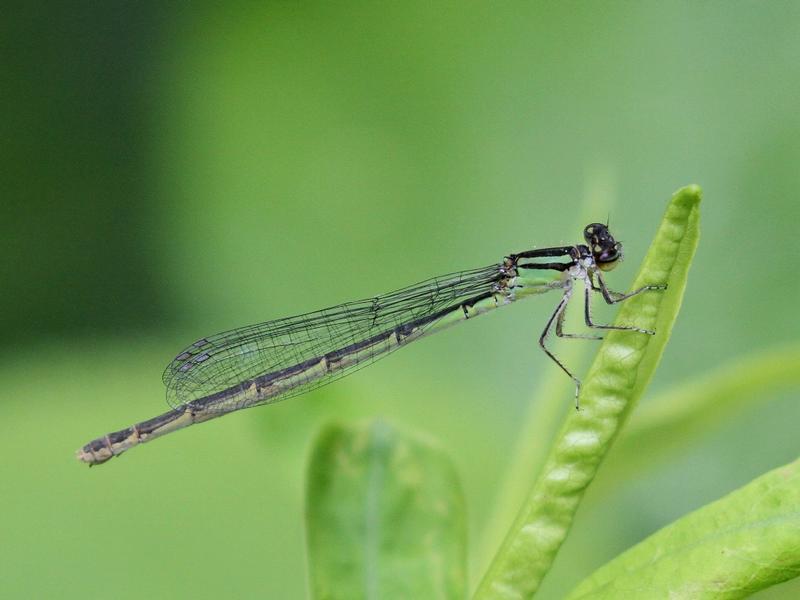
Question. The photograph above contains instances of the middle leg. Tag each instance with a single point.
(587, 313)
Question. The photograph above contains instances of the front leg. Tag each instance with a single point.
(612, 297)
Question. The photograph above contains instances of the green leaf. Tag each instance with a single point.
(542, 420)
(666, 424)
(617, 378)
(731, 548)
(385, 516)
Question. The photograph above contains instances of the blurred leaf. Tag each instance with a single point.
(677, 416)
(620, 372)
(385, 516)
(730, 548)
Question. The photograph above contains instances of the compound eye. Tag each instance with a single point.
(606, 256)
(607, 259)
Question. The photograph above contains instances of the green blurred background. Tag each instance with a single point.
(172, 171)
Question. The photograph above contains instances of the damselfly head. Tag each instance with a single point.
(606, 251)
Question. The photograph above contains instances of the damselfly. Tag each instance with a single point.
(264, 363)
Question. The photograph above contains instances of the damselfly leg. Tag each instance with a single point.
(612, 297)
(556, 321)
(557, 318)
(601, 253)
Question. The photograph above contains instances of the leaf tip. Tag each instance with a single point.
(689, 195)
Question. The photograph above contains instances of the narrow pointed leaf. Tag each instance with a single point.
(731, 548)
(679, 415)
(617, 378)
